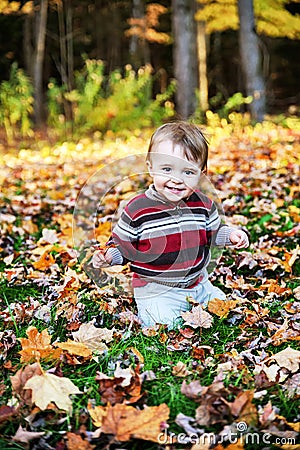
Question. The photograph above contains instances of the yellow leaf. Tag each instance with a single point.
(221, 307)
(75, 348)
(47, 388)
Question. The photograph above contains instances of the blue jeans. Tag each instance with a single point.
(157, 303)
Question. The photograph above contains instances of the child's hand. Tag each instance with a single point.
(101, 259)
(239, 239)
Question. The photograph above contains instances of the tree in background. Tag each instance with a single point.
(272, 18)
(185, 56)
(251, 60)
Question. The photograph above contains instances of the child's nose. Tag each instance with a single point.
(176, 178)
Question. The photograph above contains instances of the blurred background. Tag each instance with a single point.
(99, 65)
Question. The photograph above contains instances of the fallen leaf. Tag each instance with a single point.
(93, 337)
(287, 358)
(197, 317)
(180, 370)
(47, 388)
(75, 442)
(221, 307)
(6, 412)
(75, 348)
(19, 380)
(37, 346)
(125, 422)
(26, 436)
(44, 262)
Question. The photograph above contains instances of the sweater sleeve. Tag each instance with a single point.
(124, 237)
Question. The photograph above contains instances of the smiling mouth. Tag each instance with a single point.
(175, 190)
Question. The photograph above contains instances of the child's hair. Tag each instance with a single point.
(187, 135)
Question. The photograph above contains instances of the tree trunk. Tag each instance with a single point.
(251, 60)
(202, 62)
(185, 56)
(41, 18)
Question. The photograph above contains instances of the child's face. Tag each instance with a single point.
(174, 176)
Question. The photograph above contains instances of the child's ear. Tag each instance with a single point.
(149, 168)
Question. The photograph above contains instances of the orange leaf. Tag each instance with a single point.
(44, 262)
(126, 422)
(75, 442)
(221, 307)
(37, 346)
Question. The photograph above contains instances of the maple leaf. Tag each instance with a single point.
(221, 307)
(47, 388)
(93, 337)
(26, 436)
(243, 409)
(126, 422)
(197, 317)
(37, 346)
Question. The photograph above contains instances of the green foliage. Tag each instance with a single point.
(16, 102)
(113, 102)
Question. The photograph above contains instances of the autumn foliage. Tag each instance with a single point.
(78, 369)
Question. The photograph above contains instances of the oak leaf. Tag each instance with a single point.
(221, 307)
(47, 388)
(126, 422)
(197, 317)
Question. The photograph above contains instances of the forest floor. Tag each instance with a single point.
(78, 370)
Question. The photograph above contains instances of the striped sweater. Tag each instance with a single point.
(167, 243)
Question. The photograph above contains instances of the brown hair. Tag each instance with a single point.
(187, 135)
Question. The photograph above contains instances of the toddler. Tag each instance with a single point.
(167, 232)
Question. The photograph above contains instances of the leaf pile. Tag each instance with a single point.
(79, 371)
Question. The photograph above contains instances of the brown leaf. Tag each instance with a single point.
(75, 442)
(180, 370)
(6, 412)
(197, 317)
(19, 380)
(221, 307)
(126, 422)
(243, 409)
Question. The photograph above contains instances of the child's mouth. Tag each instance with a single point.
(175, 190)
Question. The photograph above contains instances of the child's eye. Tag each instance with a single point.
(166, 169)
(189, 172)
